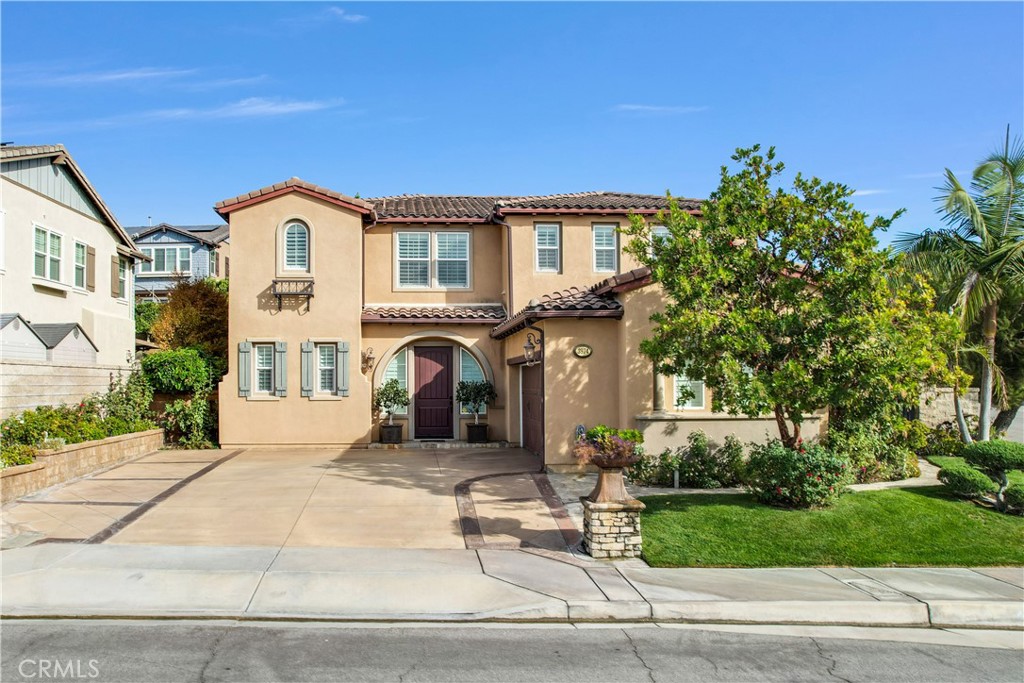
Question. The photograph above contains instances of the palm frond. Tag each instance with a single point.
(962, 212)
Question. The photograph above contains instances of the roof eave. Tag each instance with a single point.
(224, 209)
(422, 320)
(520, 322)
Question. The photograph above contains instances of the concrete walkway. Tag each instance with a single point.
(77, 580)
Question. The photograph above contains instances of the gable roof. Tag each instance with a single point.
(209, 235)
(60, 156)
(53, 334)
(7, 318)
(226, 206)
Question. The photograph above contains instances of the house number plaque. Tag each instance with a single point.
(582, 351)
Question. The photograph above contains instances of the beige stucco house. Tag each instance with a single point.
(332, 295)
(66, 314)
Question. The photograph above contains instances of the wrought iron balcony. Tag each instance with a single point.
(292, 288)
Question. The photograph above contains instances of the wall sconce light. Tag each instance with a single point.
(368, 358)
(530, 349)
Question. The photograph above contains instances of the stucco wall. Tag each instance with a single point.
(336, 260)
(107, 320)
(486, 267)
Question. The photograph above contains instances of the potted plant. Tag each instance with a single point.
(389, 397)
(611, 451)
(475, 395)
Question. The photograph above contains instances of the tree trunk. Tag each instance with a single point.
(989, 333)
(788, 438)
(1004, 419)
(961, 421)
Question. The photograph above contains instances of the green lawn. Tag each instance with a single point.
(1015, 476)
(904, 527)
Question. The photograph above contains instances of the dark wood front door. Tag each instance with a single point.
(533, 409)
(433, 395)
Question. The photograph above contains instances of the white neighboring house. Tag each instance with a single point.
(65, 282)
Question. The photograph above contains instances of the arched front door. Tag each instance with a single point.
(433, 399)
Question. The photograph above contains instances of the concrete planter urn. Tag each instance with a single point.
(477, 433)
(611, 483)
(611, 517)
(391, 433)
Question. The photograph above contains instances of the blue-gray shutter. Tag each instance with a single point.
(244, 369)
(280, 368)
(342, 368)
(307, 368)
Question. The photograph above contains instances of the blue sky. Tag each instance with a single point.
(170, 107)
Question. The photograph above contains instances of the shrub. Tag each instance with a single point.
(995, 456)
(179, 371)
(1014, 497)
(190, 421)
(16, 454)
(876, 455)
(655, 469)
(966, 481)
(129, 399)
(704, 468)
(146, 313)
(943, 441)
(801, 478)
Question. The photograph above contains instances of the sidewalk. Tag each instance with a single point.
(358, 584)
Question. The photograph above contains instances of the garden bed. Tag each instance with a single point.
(57, 466)
(901, 527)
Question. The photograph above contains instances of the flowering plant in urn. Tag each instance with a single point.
(610, 450)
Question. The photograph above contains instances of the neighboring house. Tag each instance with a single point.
(332, 295)
(67, 322)
(177, 252)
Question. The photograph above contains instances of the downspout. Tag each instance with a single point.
(543, 390)
(496, 217)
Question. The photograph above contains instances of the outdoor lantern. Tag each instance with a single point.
(530, 349)
(368, 358)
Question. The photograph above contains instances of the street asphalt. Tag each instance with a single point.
(33, 650)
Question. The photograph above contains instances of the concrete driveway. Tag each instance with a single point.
(430, 498)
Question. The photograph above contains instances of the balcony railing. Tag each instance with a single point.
(292, 288)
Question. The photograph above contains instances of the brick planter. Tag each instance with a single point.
(612, 530)
(75, 460)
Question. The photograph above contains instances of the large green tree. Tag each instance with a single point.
(979, 255)
(781, 303)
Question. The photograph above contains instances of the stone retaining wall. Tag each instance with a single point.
(937, 405)
(76, 460)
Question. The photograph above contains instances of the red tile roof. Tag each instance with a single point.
(569, 303)
(466, 314)
(291, 185)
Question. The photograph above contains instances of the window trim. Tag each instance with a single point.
(614, 248)
(45, 278)
(150, 251)
(123, 266)
(318, 389)
(675, 393)
(256, 392)
(403, 351)
(558, 247)
(84, 266)
(433, 284)
(463, 351)
(280, 254)
(284, 248)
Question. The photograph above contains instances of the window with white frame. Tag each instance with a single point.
(696, 402)
(122, 277)
(167, 260)
(326, 368)
(547, 237)
(81, 251)
(470, 371)
(296, 247)
(264, 361)
(432, 260)
(48, 246)
(659, 235)
(605, 248)
(398, 369)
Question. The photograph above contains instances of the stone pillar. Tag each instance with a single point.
(612, 530)
(659, 391)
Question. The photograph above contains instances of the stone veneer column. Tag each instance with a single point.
(612, 530)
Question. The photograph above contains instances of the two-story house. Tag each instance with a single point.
(177, 252)
(66, 313)
(333, 295)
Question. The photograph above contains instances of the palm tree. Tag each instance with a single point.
(980, 254)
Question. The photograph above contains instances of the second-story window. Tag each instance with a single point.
(296, 247)
(122, 278)
(426, 260)
(547, 238)
(605, 248)
(48, 245)
(167, 260)
(81, 251)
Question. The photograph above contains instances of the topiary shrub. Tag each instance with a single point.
(996, 459)
(1014, 497)
(800, 478)
(965, 481)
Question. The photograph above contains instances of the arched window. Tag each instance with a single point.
(296, 247)
(397, 369)
(470, 371)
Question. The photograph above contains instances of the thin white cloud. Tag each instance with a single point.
(111, 77)
(341, 14)
(221, 83)
(656, 109)
(868, 193)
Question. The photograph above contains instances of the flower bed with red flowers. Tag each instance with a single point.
(805, 477)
